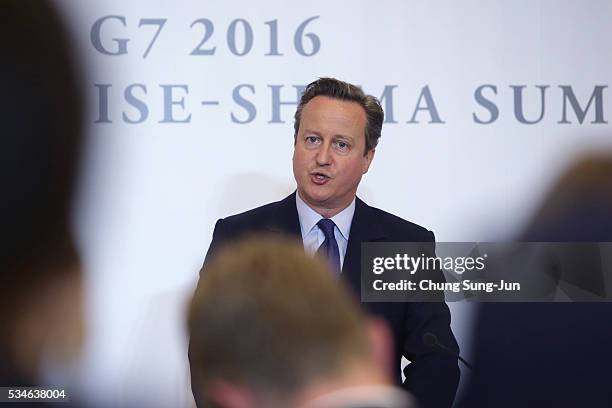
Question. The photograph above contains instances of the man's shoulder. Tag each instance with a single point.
(399, 229)
(258, 217)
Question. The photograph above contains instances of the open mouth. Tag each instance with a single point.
(319, 178)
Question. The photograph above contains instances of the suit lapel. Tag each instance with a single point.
(364, 228)
(285, 218)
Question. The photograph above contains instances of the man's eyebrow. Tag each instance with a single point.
(337, 136)
(308, 132)
(349, 138)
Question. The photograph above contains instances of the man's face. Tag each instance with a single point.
(328, 158)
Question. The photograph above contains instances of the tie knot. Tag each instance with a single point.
(327, 226)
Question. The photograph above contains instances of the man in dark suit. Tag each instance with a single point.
(337, 128)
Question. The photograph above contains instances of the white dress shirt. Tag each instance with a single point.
(313, 236)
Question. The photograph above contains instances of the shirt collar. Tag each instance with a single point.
(309, 217)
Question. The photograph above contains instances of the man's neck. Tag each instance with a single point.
(326, 212)
(355, 375)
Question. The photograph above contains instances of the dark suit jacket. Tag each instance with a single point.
(432, 376)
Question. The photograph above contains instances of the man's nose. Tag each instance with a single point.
(324, 155)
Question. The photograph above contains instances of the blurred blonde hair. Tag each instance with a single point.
(268, 316)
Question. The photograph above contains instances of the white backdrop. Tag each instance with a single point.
(153, 189)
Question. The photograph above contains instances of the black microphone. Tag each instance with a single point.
(431, 340)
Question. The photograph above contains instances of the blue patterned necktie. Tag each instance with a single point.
(329, 247)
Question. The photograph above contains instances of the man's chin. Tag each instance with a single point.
(314, 198)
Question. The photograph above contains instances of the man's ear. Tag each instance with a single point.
(381, 343)
(227, 395)
(367, 160)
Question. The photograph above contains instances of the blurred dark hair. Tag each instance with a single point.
(579, 207)
(554, 353)
(41, 110)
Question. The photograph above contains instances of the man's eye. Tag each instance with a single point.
(312, 139)
(342, 145)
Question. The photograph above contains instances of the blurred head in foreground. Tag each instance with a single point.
(271, 327)
(554, 354)
(579, 207)
(40, 128)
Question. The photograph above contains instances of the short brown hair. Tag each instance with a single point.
(267, 316)
(345, 91)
